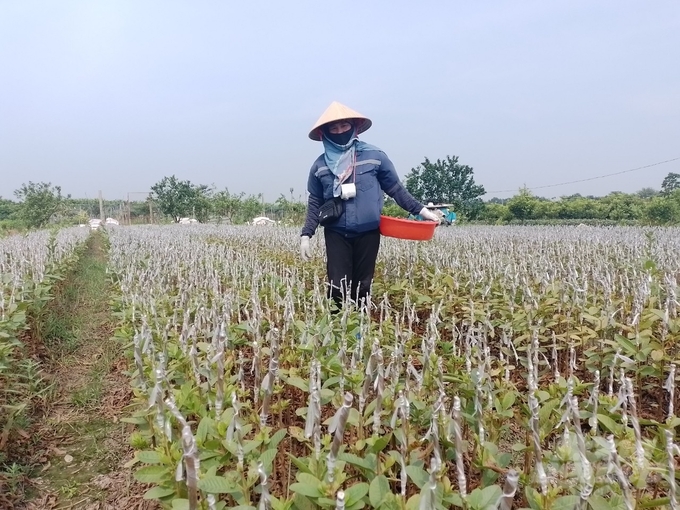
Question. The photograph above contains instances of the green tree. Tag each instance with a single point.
(390, 208)
(291, 211)
(522, 205)
(226, 205)
(251, 207)
(494, 212)
(182, 199)
(647, 193)
(40, 201)
(8, 209)
(670, 183)
(662, 211)
(448, 182)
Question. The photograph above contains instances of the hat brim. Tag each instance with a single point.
(335, 112)
(362, 124)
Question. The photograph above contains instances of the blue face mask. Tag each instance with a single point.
(339, 138)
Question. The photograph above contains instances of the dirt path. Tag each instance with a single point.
(80, 443)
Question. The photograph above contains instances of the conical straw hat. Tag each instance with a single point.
(337, 111)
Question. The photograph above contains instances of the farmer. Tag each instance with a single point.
(346, 185)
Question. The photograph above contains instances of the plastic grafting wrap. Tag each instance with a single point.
(337, 427)
(234, 433)
(191, 460)
(639, 450)
(240, 375)
(265, 500)
(313, 421)
(379, 388)
(268, 381)
(622, 401)
(556, 373)
(477, 378)
(138, 361)
(612, 370)
(594, 401)
(669, 386)
(672, 487)
(255, 369)
(509, 491)
(614, 464)
(566, 404)
(428, 500)
(368, 375)
(458, 441)
(193, 355)
(340, 500)
(536, 439)
(218, 359)
(586, 468)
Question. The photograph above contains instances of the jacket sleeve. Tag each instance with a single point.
(390, 184)
(314, 202)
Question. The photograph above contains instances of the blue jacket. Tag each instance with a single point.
(374, 175)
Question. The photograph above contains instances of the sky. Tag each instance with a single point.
(113, 95)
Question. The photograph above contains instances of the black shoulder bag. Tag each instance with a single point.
(330, 211)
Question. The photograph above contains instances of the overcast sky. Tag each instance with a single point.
(116, 94)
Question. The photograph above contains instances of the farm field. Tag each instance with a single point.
(498, 367)
(526, 367)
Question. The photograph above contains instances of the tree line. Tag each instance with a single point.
(442, 181)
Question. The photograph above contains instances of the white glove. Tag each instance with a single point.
(305, 249)
(429, 215)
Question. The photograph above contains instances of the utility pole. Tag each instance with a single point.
(101, 206)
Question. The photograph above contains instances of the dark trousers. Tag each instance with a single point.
(351, 264)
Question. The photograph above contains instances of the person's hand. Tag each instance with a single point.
(429, 215)
(305, 249)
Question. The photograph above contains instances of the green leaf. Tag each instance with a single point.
(304, 489)
(598, 503)
(533, 498)
(378, 489)
(418, 475)
(326, 502)
(413, 503)
(565, 503)
(355, 460)
(508, 399)
(300, 464)
(481, 499)
(308, 479)
(621, 340)
(298, 383)
(217, 485)
(152, 474)
(158, 492)
(203, 428)
(149, 457)
(302, 503)
(249, 446)
(381, 443)
(277, 438)
(267, 458)
(180, 504)
(610, 424)
(354, 494)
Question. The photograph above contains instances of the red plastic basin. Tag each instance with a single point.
(407, 229)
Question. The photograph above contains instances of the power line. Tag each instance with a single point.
(589, 178)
